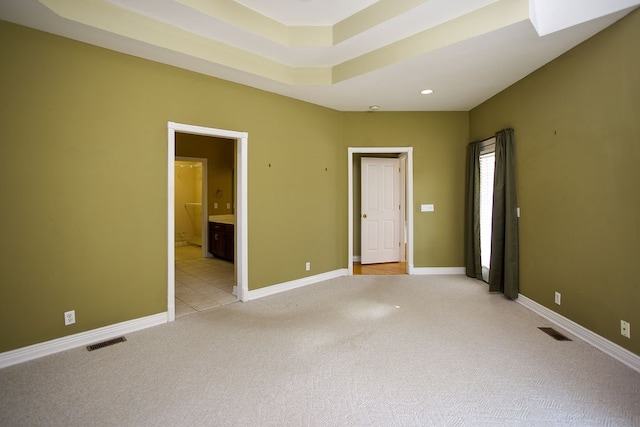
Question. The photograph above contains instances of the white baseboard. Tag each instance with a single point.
(612, 349)
(356, 258)
(57, 345)
(437, 270)
(287, 286)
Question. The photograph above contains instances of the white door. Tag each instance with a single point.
(380, 216)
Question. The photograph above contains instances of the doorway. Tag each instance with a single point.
(191, 202)
(202, 282)
(240, 189)
(405, 154)
(380, 237)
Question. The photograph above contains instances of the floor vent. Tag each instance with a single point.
(106, 343)
(555, 334)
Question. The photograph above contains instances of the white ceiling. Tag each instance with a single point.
(345, 55)
(308, 12)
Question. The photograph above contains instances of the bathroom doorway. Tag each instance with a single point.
(231, 197)
(191, 207)
(203, 184)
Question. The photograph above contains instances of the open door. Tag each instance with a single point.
(241, 190)
(380, 216)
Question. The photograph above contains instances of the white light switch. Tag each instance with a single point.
(427, 208)
(518, 212)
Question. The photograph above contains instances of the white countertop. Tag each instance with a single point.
(223, 219)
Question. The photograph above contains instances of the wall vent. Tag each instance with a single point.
(555, 334)
(106, 343)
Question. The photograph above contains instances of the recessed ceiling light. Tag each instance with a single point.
(374, 108)
(426, 91)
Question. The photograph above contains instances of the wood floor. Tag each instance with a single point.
(386, 268)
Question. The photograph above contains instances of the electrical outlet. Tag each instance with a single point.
(308, 266)
(625, 329)
(558, 298)
(69, 317)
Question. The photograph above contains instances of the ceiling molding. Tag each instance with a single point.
(249, 20)
(384, 53)
(490, 18)
(110, 17)
(376, 14)
(242, 17)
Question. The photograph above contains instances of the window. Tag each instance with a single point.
(487, 166)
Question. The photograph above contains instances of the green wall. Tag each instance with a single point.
(577, 131)
(84, 186)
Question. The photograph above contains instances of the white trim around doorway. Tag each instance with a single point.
(408, 151)
(241, 212)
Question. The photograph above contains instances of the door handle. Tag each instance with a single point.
(364, 215)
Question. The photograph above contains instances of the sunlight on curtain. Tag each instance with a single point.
(487, 165)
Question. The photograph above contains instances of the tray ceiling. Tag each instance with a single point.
(345, 55)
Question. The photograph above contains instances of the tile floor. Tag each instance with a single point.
(201, 283)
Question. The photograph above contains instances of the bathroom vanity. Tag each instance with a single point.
(221, 236)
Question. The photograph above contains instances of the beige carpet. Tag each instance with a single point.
(361, 350)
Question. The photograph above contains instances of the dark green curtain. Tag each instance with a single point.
(504, 273)
(472, 213)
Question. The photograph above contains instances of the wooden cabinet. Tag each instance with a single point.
(229, 246)
(216, 239)
(221, 240)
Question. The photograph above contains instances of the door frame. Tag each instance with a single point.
(241, 212)
(408, 193)
(205, 201)
(403, 202)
